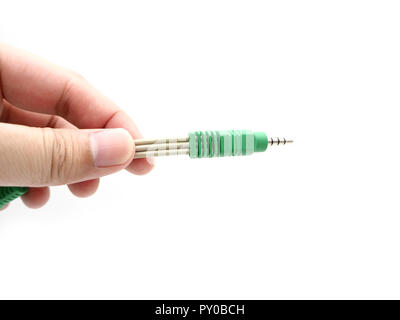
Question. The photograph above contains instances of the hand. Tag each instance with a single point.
(51, 133)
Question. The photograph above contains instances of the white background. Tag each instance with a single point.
(317, 219)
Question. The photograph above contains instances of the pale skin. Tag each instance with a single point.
(51, 130)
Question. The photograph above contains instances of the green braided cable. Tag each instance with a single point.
(8, 194)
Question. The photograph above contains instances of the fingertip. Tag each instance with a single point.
(111, 147)
(122, 120)
(84, 189)
(36, 198)
(151, 162)
(141, 166)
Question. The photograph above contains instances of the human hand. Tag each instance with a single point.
(56, 129)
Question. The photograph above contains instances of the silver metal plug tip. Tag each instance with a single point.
(278, 141)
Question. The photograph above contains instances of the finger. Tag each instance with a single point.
(14, 115)
(42, 156)
(33, 84)
(36, 198)
(85, 188)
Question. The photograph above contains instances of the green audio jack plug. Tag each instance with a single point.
(198, 144)
(208, 144)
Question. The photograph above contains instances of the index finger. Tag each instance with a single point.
(33, 84)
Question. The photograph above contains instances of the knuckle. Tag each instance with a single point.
(59, 154)
(62, 106)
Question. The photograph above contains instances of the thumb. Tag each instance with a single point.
(42, 156)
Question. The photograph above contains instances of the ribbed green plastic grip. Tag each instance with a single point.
(208, 144)
(8, 194)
